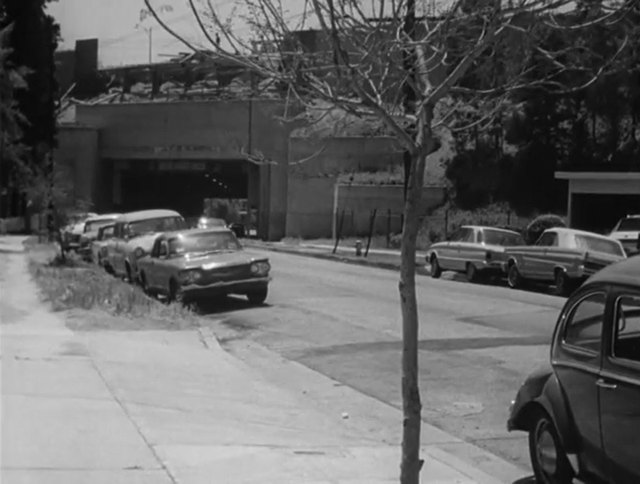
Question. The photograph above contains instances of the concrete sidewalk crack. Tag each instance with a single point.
(124, 409)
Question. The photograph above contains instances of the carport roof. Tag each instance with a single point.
(597, 175)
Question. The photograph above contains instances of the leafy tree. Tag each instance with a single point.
(414, 73)
(12, 150)
(32, 40)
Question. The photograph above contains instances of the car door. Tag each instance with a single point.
(150, 265)
(619, 390)
(113, 246)
(161, 267)
(576, 360)
(469, 248)
(535, 261)
(447, 252)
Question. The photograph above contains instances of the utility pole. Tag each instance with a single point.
(150, 30)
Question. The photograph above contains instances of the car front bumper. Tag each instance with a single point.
(244, 286)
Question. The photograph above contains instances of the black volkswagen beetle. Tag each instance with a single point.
(582, 413)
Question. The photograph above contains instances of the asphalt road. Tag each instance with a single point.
(477, 342)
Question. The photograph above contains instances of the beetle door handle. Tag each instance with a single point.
(603, 384)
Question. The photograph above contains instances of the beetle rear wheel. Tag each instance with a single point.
(548, 458)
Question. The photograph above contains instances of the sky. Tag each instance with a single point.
(122, 37)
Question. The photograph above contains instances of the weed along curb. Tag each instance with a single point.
(361, 261)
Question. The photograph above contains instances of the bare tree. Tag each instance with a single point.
(418, 70)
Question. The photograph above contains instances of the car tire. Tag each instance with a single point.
(472, 273)
(436, 270)
(562, 283)
(258, 296)
(514, 279)
(548, 459)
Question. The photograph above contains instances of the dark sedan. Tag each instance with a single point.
(197, 264)
(582, 413)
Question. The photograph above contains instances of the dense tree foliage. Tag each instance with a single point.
(595, 128)
(31, 37)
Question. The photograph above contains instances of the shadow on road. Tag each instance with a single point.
(223, 305)
(526, 480)
(536, 287)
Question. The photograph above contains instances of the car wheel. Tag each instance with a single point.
(472, 272)
(258, 296)
(436, 270)
(108, 268)
(562, 283)
(128, 273)
(514, 279)
(175, 293)
(548, 458)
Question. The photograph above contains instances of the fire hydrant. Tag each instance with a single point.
(358, 248)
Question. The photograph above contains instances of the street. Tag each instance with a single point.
(478, 342)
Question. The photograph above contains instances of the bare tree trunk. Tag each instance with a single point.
(411, 405)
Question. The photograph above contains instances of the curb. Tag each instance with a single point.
(420, 269)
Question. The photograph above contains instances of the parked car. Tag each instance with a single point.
(474, 250)
(72, 232)
(197, 264)
(562, 256)
(90, 233)
(99, 245)
(134, 234)
(582, 411)
(627, 232)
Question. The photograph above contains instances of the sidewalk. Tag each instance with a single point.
(173, 407)
(381, 258)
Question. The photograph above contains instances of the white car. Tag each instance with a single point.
(627, 232)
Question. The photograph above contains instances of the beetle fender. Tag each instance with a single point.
(553, 400)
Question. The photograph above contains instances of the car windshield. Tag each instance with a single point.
(92, 226)
(161, 224)
(629, 225)
(596, 244)
(204, 242)
(500, 237)
(207, 223)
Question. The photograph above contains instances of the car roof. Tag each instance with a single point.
(177, 233)
(104, 216)
(565, 230)
(483, 227)
(147, 214)
(625, 272)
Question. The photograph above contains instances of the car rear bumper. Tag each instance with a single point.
(245, 286)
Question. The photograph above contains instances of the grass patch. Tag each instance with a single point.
(97, 300)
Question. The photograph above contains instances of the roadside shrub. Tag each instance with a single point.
(541, 223)
(69, 283)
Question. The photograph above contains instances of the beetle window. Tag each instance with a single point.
(584, 327)
(626, 339)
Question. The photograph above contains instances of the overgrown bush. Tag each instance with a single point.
(541, 223)
(70, 283)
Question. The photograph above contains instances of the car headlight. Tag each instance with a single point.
(260, 268)
(190, 277)
(138, 253)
